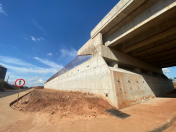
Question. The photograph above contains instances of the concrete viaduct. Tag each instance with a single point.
(129, 48)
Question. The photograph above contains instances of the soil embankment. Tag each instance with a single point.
(62, 103)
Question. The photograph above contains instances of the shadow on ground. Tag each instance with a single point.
(169, 95)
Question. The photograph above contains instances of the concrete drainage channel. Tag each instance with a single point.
(13, 102)
(118, 113)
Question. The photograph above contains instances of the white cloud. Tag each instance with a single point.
(37, 39)
(49, 54)
(33, 38)
(29, 80)
(12, 60)
(49, 63)
(166, 71)
(39, 26)
(32, 74)
(69, 53)
(26, 70)
(40, 81)
(2, 11)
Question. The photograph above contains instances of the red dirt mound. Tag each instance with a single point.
(39, 87)
(62, 103)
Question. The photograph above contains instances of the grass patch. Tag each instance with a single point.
(5, 86)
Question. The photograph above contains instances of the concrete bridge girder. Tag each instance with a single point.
(129, 47)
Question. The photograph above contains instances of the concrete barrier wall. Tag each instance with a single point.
(122, 88)
(132, 88)
(93, 76)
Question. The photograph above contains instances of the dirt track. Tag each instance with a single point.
(62, 104)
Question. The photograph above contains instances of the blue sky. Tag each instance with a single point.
(39, 37)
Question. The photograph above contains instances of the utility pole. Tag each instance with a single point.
(8, 78)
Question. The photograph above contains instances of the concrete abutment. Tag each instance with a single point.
(124, 50)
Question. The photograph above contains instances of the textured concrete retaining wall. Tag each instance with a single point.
(122, 87)
(93, 76)
(132, 88)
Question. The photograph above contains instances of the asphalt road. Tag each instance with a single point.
(10, 92)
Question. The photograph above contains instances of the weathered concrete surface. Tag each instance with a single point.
(132, 43)
(95, 76)
(143, 29)
(147, 34)
(125, 59)
(117, 14)
(90, 47)
(134, 88)
(148, 12)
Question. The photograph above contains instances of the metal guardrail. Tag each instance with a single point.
(77, 61)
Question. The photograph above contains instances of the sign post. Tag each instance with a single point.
(19, 83)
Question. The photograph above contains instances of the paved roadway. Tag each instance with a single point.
(10, 92)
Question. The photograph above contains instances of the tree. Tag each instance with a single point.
(171, 79)
(0, 71)
(174, 78)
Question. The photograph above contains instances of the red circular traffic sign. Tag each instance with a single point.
(20, 82)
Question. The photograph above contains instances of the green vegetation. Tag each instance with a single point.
(171, 79)
(5, 86)
(0, 71)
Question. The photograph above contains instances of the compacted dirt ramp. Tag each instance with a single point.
(62, 103)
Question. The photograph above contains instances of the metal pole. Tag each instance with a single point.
(7, 78)
(18, 94)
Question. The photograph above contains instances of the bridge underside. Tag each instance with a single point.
(129, 48)
(152, 38)
(154, 43)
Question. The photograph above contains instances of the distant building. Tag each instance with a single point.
(3, 71)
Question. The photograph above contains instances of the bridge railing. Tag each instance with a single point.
(77, 61)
